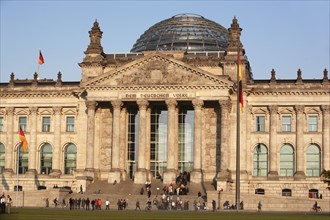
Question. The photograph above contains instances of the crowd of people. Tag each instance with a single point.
(5, 204)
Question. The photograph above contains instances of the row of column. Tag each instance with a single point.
(142, 170)
(32, 141)
(300, 173)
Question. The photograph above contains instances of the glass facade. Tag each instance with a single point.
(286, 160)
(186, 140)
(46, 159)
(132, 141)
(260, 160)
(313, 157)
(185, 32)
(70, 159)
(158, 141)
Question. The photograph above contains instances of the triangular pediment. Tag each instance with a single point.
(157, 69)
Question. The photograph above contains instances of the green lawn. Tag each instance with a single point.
(60, 214)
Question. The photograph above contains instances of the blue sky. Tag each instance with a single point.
(284, 35)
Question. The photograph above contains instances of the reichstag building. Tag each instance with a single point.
(166, 107)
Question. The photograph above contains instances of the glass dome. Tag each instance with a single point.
(185, 32)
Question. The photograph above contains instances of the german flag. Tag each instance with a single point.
(23, 140)
(41, 58)
(240, 78)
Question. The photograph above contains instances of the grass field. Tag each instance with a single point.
(60, 214)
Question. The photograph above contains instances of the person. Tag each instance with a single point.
(55, 202)
(107, 204)
(315, 206)
(3, 203)
(81, 189)
(259, 206)
(87, 203)
(137, 205)
(213, 205)
(47, 203)
(241, 205)
(8, 204)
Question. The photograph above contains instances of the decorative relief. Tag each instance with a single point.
(197, 103)
(9, 110)
(117, 104)
(325, 109)
(143, 104)
(273, 109)
(57, 110)
(91, 105)
(157, 72)
(171, 103)
(299, 109)
(225, 106)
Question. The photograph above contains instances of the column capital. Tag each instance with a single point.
(91, 105)
(117, 104)
(225, 105)
(197, 103)
(57, 110)
(273, 109)
(33, 110)
(299, 109)
(10, 110)
(325, 109)
(171, 103)
(143, 104)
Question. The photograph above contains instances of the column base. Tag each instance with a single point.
(169, 176)
(196, 176)
(299, 175)
(114, 176)
(89, 172)
(55, 173)
(272, 175)
(140, 177)
(224, 175)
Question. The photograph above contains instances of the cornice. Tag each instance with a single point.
(284, 93)
(38, 94)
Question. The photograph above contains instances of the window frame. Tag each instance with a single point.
(70, 127)
(286, 126)
(260, 127)
(1, 124)
(310, 125)
(21, 124)
(45, 125)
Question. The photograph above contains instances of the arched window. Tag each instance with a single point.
(260, 160)
(70, 158)
(2, 158)
(286, 161)
(313, 160)
(46, 159)
(23, 161)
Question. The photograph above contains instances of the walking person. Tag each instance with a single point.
(107, 204)
(259, 206)
(8, 204)
(137, 205)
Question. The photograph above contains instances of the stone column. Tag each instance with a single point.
(170, 174)
(326, 136)
(224, 148)
(141, 174)
(114, 174)
(89, 169)
(196, 174)
(300, 157)
(273, 169)
(123, 144)
(56, 170)
(33, 141)
(148, 126)
(9, 162)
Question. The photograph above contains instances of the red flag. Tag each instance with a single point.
(41, 58)
(240, 83)
(23, 140)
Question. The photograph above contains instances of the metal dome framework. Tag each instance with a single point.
(184, 32)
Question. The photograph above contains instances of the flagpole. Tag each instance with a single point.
(38, 71)
(17, 166)
(238, 137)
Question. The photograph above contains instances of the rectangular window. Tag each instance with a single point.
(260, 123)
(312, 123)
(45, 124)
(22, 123)
(70, 124)
(1, 124)
(286, 123)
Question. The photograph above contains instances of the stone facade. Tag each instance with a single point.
(205, 82)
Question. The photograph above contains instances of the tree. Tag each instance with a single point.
(326, 175)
